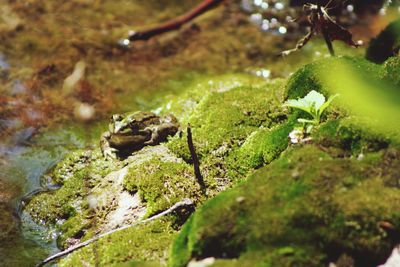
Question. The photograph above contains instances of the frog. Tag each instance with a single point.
(131, 132)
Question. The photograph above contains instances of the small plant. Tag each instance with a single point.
(314, 104)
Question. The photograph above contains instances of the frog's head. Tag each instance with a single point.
(117, 123)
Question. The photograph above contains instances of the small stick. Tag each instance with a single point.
(184, 202)
(195, 159)
(175, 23)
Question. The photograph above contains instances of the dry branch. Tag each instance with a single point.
(183, 203)
(174, 23)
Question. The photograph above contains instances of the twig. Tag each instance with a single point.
(195, 159)
(322, 23)
(184, 202)
(174, 23)
(328, 40)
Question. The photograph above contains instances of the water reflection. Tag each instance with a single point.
(274, 17)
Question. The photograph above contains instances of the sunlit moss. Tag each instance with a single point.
(161, 184)
(143, 243)
(294, 211)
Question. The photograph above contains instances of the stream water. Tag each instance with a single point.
(42, 44)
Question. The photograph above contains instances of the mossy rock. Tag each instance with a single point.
(304, 209)
(67, 207)
(385, 44)
(161, 184)
(229, 116)
(260, 148)
(311, 76)
(141, 245)
(347, 136)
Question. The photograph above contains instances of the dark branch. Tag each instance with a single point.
(195, 159)
(174, 23)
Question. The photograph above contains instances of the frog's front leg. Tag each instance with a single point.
(108, 152)
(154, 136)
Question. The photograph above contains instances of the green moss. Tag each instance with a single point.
(180, 251)
(310, 77)
(391, 70)
(49, 206)
(74, 227)
(66, 208)
(148, 242)
(229, 116)
(260, 148)
(161, 184)
(348, 136)
(320, 206)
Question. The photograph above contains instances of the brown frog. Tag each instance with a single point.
(133, 131)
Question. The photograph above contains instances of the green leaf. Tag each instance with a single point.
(307, 121)
(299, 104)
(327, 103)
(314, 104)
(315, 99)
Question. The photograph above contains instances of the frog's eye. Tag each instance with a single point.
(116, 117)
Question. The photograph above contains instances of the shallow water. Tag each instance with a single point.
(42, 42)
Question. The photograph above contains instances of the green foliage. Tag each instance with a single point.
(314, 104)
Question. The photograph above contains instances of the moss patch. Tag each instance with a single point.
(310, 77)
(161, 184)
(346, 135)
(67, 208)
(260, 148)
(147, 242)
(305, 208)
(222, 118)
(391, 71)
(229, 116)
